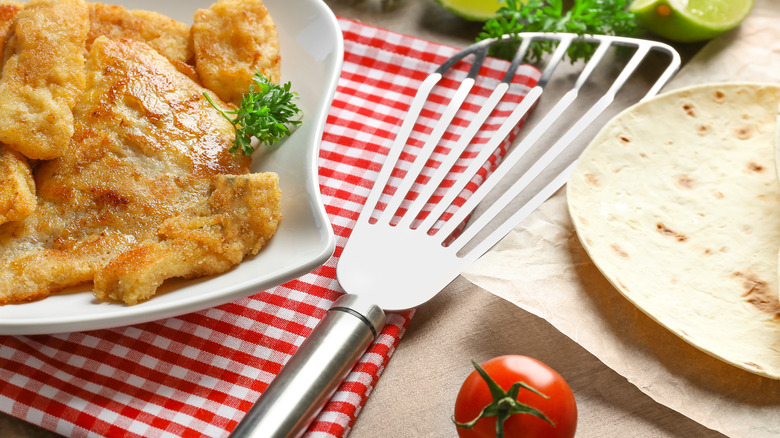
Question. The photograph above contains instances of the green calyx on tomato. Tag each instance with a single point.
(504, 404)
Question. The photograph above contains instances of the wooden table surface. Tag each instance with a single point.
(415, 394)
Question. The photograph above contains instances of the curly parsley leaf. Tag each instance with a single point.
(585, 17)
(267, 113)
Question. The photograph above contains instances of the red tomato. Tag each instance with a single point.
(560, 407)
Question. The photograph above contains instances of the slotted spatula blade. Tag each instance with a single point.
(397, 258)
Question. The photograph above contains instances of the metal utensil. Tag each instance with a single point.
(394, 260)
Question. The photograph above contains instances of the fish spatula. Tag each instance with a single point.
(402, 253)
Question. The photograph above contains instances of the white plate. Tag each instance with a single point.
(312, 55)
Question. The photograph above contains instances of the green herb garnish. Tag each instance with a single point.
(266, 113)
(585, 17)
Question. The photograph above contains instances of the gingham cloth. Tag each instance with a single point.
(198, 374)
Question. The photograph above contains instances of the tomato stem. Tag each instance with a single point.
(504, 404)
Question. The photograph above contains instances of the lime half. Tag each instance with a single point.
(473, 10)
(690, 20)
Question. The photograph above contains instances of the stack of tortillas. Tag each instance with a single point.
(677, 202)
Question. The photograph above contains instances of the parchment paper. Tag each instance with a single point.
(541, 267)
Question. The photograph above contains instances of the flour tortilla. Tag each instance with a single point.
(777, 169)
(677, 202)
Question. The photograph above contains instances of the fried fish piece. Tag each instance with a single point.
(169, 37)
(238, 218)
(17, 188)
(147, 153)
(233, 40)
(43, 77)
(8, 11)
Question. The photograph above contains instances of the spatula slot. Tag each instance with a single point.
(447, 183)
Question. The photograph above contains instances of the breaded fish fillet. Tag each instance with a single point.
(169, 37)
(148, 155)
(43, 77)
(17, 189)
(209, 238)
(233, 40)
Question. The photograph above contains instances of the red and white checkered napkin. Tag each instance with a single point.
(197, 375)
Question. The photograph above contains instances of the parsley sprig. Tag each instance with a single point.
(606, 17)
(267, 113)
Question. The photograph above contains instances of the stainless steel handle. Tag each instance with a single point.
(309, 378)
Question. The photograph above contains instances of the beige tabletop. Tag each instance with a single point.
(415, 395)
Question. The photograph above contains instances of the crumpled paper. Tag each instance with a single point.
(541, 267)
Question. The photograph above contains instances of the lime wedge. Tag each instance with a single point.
(690, 20)
(473, 10)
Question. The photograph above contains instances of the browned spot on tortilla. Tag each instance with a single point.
(753, 365)
(624, 139)
(719, 96)
(685, 182)
(592, 180)
(666, 231)
(718, 195)
(623, 286)
(620, 251)
(757, 292)
(744, 132)
(755, 167)
(702, 129)
(689, 109)
(707, 251)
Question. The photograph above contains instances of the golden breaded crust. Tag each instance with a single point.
(169, 37)
(233, 40)
(8, 11)
(43, 78)
(17, 188)
(240, 215)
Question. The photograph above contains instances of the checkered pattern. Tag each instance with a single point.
(197, 375)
